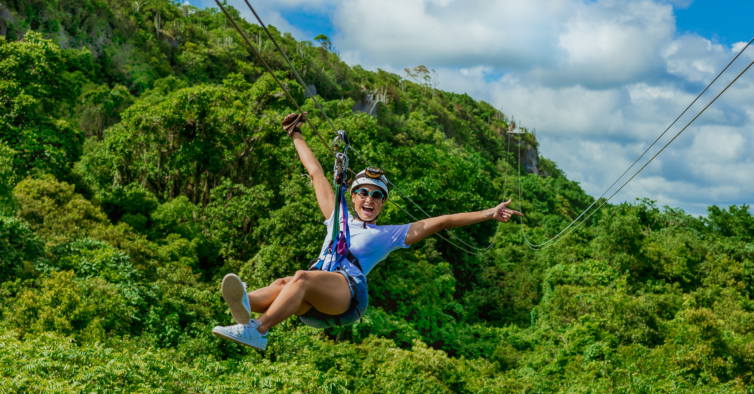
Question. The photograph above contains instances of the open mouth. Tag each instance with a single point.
(368, 210)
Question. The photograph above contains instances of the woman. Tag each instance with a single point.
(319, 297)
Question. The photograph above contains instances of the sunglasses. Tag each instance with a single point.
(376, 194)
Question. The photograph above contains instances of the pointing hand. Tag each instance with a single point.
(503, 214)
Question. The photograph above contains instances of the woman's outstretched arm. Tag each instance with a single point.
(322, 188)
(424, 228)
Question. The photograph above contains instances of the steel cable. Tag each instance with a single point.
(300, 80)
(295, 72)
(646, 150)
(537, 247)
(266, 66)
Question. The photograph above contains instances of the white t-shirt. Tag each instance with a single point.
(371, 244)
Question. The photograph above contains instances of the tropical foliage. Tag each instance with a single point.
(141, 159)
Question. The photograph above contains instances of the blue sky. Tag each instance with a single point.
(598, 79)
(724, 21)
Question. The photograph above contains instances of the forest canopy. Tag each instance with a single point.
(141, 159)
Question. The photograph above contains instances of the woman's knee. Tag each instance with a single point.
(282, 281)
(301, 277)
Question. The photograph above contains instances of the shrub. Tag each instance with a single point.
(53, 209)
(87, 309)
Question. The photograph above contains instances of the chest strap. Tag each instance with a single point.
(350, 257)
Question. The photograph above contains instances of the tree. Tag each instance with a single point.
(7, 175)
(324, 41)
(19, 246)
(99, 107)
(33, 84)
(424, 77)
(188, 143)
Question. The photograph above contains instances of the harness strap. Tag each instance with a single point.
(315, 264)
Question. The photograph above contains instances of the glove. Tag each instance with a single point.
(292, 123)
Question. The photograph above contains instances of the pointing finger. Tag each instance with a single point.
(516, 213)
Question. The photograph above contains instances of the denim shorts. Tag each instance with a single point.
(356, 308)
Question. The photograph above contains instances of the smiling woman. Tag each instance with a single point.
(333, 291)
(368, 194)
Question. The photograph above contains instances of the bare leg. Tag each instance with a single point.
(328, 292)
(261, 299)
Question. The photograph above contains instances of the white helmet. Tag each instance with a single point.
(370, 176)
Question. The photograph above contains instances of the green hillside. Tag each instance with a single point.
(141, 159)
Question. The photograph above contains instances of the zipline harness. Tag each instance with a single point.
(339, 251)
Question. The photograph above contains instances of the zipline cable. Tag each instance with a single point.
(303, 84)
(483, 250)
(521, 201)
(273, 74)
(300, 80)
(645, 151)
(534, 247)
(437, 234)
(507, 149)
(318, 105)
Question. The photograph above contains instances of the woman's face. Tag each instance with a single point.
(367, 208)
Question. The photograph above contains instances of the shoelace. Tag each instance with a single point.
(244, 330)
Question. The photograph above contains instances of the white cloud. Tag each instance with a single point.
(449, 33)
(717, 145)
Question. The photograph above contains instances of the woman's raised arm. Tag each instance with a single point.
(322, 188)
(424, 228)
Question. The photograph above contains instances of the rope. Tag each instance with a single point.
(273, 74)
(539, 247)
(507, 149)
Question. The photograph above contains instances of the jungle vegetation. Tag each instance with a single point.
(141, 159)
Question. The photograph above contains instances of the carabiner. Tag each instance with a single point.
(344, 137)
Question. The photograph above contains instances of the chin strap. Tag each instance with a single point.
(365, 221)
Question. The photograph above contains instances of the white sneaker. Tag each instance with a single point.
(245, 334)
(234, 293)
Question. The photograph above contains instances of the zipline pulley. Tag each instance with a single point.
(341, 159)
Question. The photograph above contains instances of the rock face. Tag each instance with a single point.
(529, 159)
(6, 18)
(370, 102)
